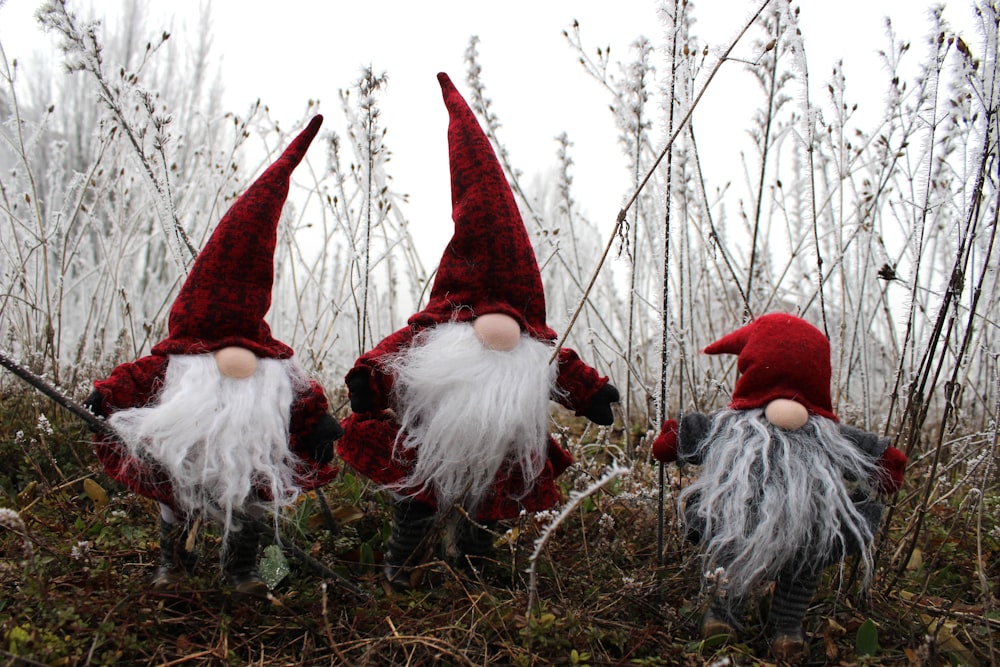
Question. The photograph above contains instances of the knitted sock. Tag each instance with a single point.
(792, 595)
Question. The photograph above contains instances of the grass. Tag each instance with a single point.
(73, 581)
(884, 236)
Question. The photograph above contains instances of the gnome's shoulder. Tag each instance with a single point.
(870, 443)
(133, 383)
(692, 431)
(391, 344)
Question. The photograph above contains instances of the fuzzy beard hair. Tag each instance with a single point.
(770, 501)
(469, 411)
(219, 439)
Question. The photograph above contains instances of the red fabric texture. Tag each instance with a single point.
(137, 383)
(222, 303)
(368, 443)
(891, 465)
(489, 265)
(367, 446)
(228, 290)
(665, 445)
(779, 356)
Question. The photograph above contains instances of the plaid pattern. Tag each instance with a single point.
(489, 265)
(222, 303)
(228, 290)
(137, 383)
(368, 443)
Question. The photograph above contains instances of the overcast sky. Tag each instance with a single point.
(289, 52)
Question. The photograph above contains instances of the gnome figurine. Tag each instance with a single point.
(452, 410)
(219, 421)
(784, 490)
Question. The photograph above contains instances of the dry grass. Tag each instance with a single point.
(884, 236)
(77, 596)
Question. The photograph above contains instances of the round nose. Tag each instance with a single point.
(787, 414)
(236, 362)
(497, 331)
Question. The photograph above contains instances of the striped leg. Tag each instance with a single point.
(793, 593)
(411, 523)
(175, 559)
(240, 568)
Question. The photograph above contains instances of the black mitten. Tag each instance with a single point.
(360, 391)
(319, 443)
(599, 411)
(96, 404)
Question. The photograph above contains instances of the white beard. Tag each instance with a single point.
(469, 411)
(218, 438)
(768, 499)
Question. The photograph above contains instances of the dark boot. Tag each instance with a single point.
(475, 545)
(719, 620)
(175, 560)
(241, 562)
(408, 545)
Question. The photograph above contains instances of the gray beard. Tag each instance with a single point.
(769, 500)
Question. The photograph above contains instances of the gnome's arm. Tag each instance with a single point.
(682, 441)
(130, 385)
(312, 429)
(890, 463)
(368, 383)
(583, 390)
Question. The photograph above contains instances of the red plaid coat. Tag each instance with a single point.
(137, 383)
(369, 438)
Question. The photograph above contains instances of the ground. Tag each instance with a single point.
(73, 580)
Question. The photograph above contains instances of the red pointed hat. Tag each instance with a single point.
(779, 356)
(489, 265)
(224, 299)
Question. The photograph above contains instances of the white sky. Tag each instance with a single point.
(290, 52)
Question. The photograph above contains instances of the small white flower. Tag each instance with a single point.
(81, 551)
(13, 521)
(43, 425)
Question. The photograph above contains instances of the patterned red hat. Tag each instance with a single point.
(489, 265)
(228, 290)
(780, 356)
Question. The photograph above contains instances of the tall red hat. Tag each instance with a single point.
(780, 356)
(228, 290)
(489, 265)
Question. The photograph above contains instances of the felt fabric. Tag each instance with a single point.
(489, 265)
(136, 384)
(226, 294)
(665, 444)
(892, 466)
(779, 356)
(368, 443)
(222, 303)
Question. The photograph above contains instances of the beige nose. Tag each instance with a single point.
(236, 362)
(786, 414)
(497, 331)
